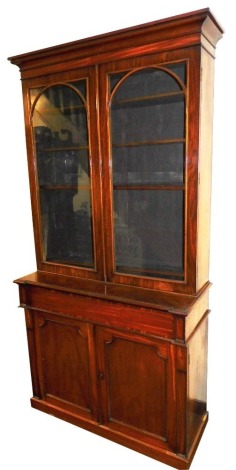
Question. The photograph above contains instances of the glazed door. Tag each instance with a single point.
(65, 361)
(66, 190)
(145, 157)
(137, 387)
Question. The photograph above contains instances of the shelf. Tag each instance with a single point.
(150, 142)
(63, 149)
(76, 261)
(149, 187)
(150, 272)
(61, 109)
(163, 98)
(63, 187)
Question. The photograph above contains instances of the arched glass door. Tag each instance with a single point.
(60, 125)
(147, 150)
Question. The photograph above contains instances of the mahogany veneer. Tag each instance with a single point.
(119, 143)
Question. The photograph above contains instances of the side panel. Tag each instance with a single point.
(205, 164)
(197, 381)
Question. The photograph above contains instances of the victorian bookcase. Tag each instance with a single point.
(119, 144)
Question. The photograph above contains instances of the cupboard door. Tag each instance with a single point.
(136, 386)
(65, 364)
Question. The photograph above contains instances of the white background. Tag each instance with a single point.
(34, 440)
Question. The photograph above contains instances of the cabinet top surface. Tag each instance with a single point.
(194, 24)
(165, 301)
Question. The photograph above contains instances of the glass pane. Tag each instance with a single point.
(149, 232)
(147, 121)
(62, 153)
(114, 79)
(154, 164)
(179, 69)
(146, 82)
(148, 164)
(66, 231)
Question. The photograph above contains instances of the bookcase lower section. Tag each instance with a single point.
(134, 375)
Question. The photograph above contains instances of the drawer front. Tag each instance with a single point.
(102, 312)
